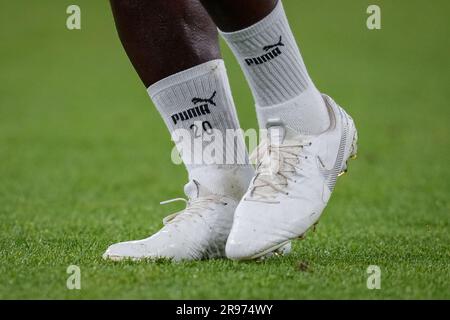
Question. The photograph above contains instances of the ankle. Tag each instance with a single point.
(306, 113)
(226, 180)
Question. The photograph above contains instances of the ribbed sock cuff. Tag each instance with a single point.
(256, 28)
(185, 75)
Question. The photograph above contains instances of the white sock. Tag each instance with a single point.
(198, 100)
(272, 63)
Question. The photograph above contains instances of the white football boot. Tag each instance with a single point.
(198, 232)
(294, 178)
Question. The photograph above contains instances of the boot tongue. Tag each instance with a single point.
(275, 131)
(276, 135)
(193, 190)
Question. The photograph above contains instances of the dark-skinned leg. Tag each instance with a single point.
(164, 37)
(231, 15)
(174, 48)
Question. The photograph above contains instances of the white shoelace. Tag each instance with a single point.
(193, 207)
(275, 166)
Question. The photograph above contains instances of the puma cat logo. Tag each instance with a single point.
(200, 108)
(209, 100)
(272, 51)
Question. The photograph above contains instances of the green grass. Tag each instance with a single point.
(84, 159)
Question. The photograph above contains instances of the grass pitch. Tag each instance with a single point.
(85, 159)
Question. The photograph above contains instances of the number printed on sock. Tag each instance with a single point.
(205, 126)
